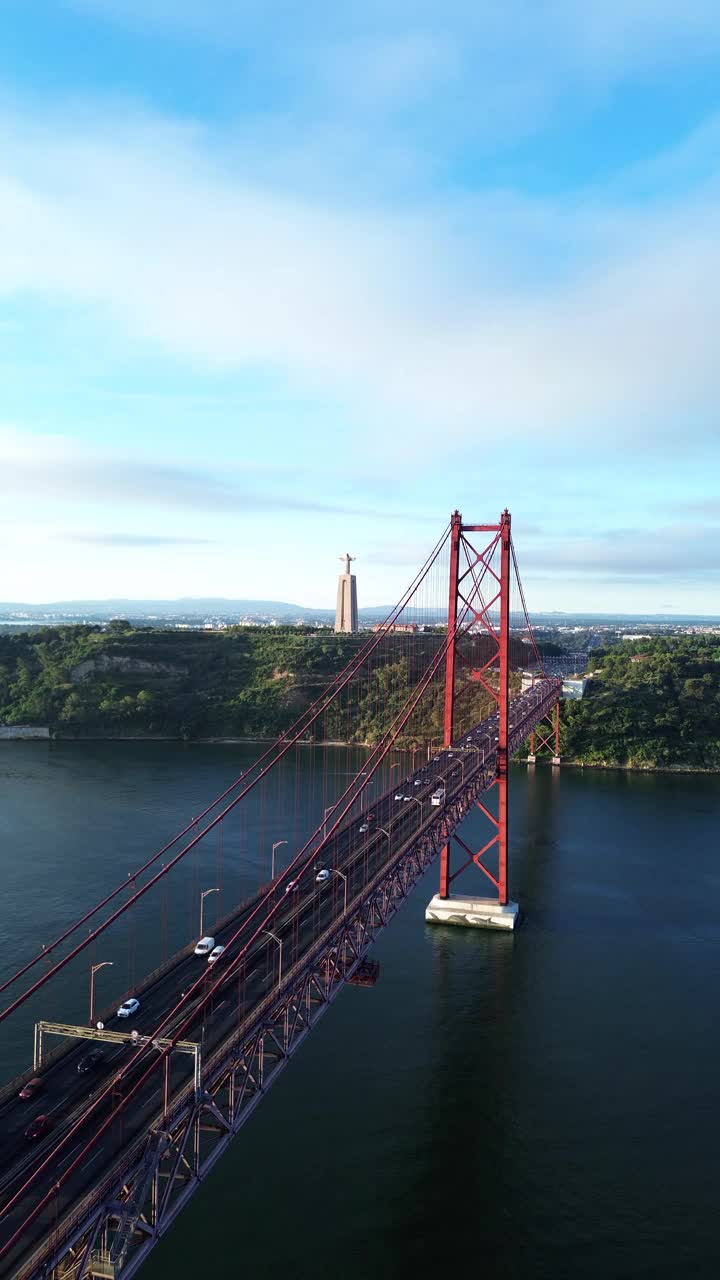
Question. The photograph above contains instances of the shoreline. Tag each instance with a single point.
(49, 737)
(626, 768)
(173, 737)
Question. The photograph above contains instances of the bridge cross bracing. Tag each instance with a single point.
(448, 694)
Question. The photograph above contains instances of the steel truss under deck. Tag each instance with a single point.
(114, 1228)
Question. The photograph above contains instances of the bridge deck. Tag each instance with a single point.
(306, 922)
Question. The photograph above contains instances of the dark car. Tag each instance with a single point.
(39, 1127)
(90, 1061)
(32, 1088)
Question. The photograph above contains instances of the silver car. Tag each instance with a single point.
(127, 1009)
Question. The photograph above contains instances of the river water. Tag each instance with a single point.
(543, 1105)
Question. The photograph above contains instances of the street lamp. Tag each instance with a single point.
(365, 796)
(275, 846)
(325, 814)
(93, 970)
(269, 933)
(203, 896)
(344, 879)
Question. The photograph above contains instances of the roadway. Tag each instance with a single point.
(302, 914)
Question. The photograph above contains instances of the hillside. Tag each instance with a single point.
(82, 680)
(242, 682)
(653, 703)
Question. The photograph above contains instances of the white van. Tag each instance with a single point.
(204, 946)
(438, 796)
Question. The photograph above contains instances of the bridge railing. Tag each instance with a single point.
(14, 1086)
(436, 829)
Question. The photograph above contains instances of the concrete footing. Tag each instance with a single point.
(472, 913)
(531, 759)
(556, 759)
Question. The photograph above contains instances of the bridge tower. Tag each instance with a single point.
(470, 560)
(546, 735)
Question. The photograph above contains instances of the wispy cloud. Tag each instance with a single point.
(438, 315)
(134, 540)
(389, 89)
(701, 508)
(607, 39)
(668, 554)
(58, 470)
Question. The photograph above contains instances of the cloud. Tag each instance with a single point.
(701, 508)
(435, 317)
(134, 540)
(616, 34)
(668, 554)
(389, 72)
(57, 469)
(440, 73)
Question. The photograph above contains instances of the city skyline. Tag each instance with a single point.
(317, 279)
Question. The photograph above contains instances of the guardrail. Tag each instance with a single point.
(435, 830)
(13, 1087)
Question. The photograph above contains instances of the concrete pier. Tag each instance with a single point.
(472, 913)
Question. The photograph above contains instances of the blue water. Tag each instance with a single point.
(543, 1105)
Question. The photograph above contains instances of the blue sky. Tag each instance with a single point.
(280, 280)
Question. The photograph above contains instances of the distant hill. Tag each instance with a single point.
(194, 607)
(164, 608)
(198, 607)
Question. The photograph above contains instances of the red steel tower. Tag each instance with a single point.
(473, 562)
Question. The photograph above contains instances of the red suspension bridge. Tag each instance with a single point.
(440, 711)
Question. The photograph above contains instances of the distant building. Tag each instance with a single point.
(346, 611)
(573, 689)
(405, 628)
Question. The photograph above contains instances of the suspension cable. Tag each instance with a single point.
(285, 742)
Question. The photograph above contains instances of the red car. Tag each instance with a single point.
(32, 1088)
(39, 1127)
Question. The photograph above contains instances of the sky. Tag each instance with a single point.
(281, 281)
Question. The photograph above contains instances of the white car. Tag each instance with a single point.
(364, 826)
(215, 955)
(127, 1009)
(292, 886)
(204, 946)
(322, 876)
(418, 782)
(399, 795)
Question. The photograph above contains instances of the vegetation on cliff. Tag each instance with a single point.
(242, 682)
(84, 680)
(652, 703)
